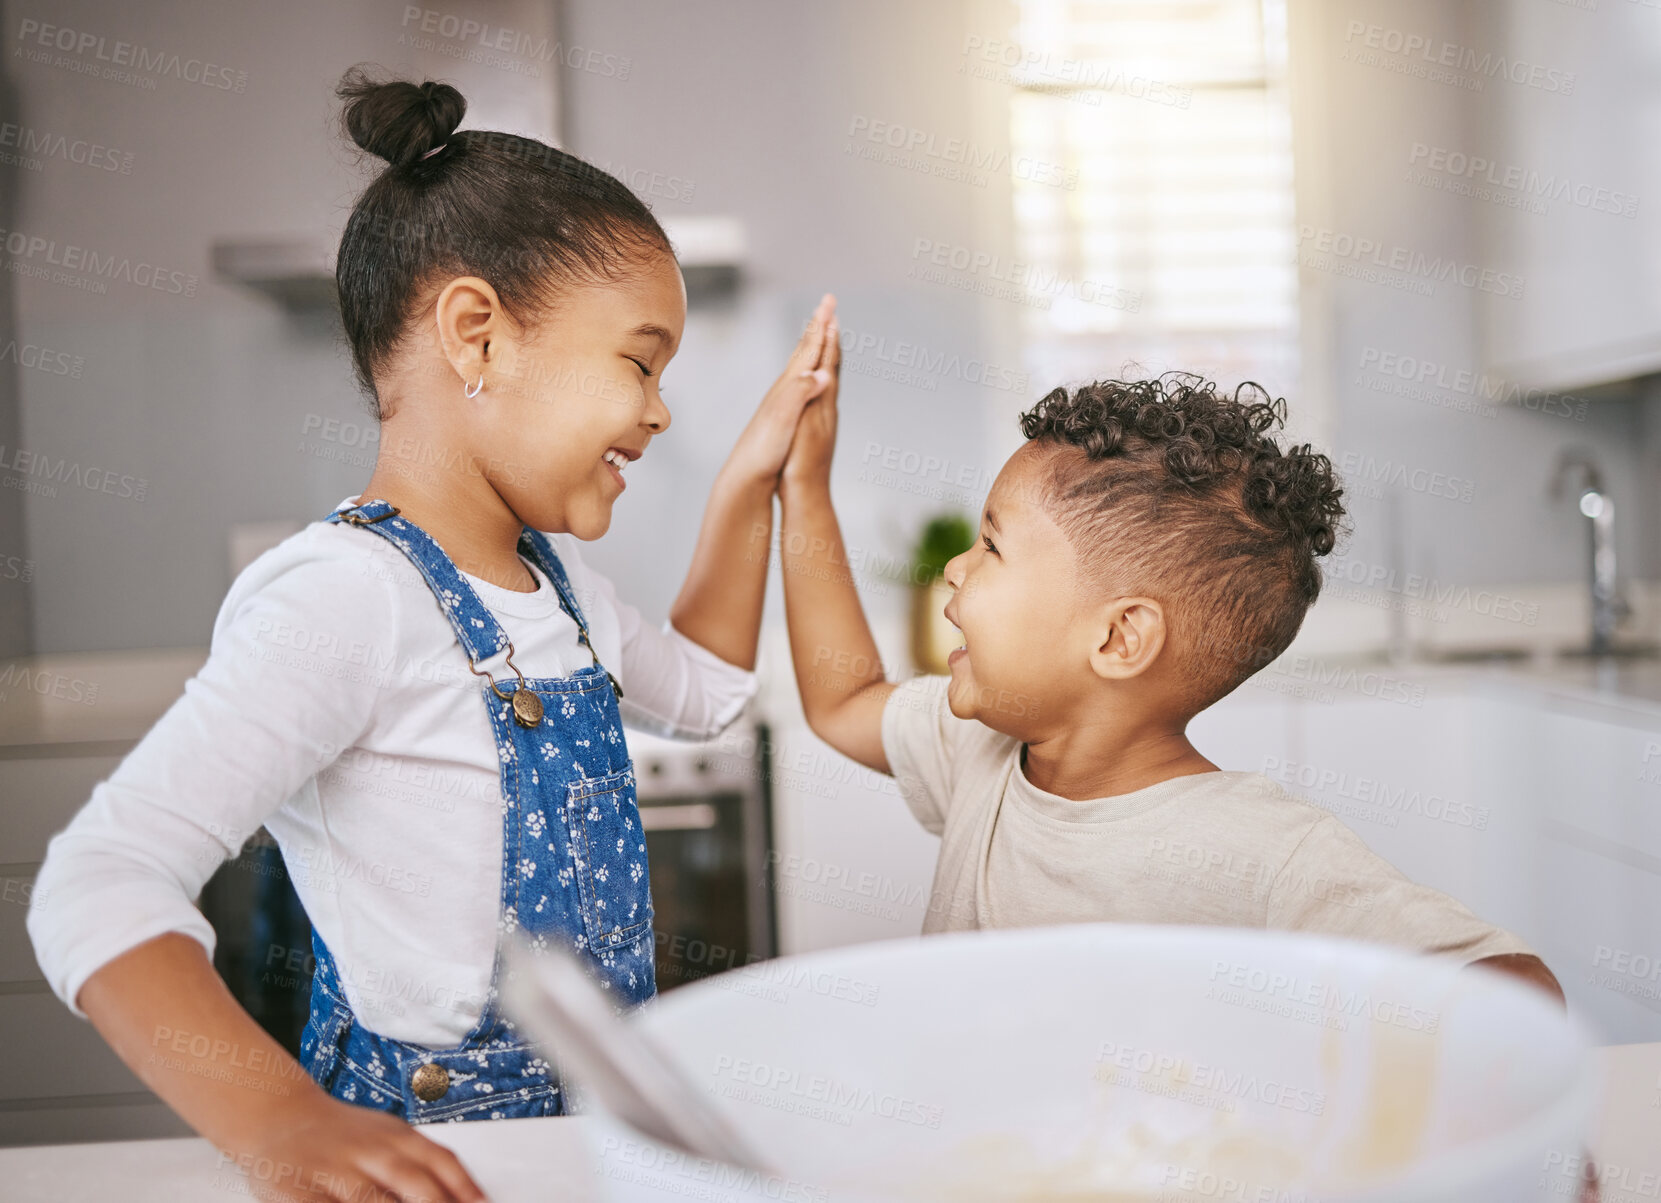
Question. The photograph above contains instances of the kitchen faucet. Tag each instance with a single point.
(1599, 508)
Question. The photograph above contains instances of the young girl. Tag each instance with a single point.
(421, 697)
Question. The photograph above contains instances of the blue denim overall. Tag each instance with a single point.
(573, 866)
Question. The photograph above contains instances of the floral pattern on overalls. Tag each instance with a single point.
(573, 869)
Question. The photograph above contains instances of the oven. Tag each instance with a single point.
(707, 811)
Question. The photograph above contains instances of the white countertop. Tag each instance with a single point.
(1632, 684)
(98, 699)
(115, 697)
(514, 1160)
(523, 1160)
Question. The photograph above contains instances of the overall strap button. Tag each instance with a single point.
(527, 708)
(430, 1081)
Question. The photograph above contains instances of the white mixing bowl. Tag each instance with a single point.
(1105, 1062)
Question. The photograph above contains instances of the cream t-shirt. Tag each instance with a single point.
(1222, 848)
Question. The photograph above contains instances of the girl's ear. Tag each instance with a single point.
(1130, 636)
(472, 325)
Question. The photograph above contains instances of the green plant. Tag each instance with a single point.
(945, 536)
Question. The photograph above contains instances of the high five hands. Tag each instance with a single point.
(809, 459)
(767, 448)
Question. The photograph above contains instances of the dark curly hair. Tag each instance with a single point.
(1168, 487)
(525, 216)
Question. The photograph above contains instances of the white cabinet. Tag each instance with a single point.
(1599, 868)
(1401, 775)
(65, 724)
(853, 865)
(1251, 731)
(1537, 808)
(64, 1082)
(1565, 187)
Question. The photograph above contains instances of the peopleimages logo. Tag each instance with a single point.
(1016, 64)
(40, 144)
(39, 473)
(1013, 280)
(1425, 53)
(26, 248)
(950, 157)
(1211, 1079)
(327, 871)
(675, 1172)
(1467, 382)
(1323, 996)
(906, 362)
(43, 359)
(44, 681)
(487, 37)
(1522, 180)
(1316, 671)
(1367, 472)
(1409, 263)
(786, 1084)
(1440, 596)
(32, 33)
(1372, 792)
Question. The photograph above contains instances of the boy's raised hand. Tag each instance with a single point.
(719, 605)
(761, 448)
(838, 667)
(810, 451)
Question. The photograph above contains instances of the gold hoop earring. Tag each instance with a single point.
(476, 389)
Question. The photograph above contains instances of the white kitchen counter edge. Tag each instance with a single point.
(516, 1161)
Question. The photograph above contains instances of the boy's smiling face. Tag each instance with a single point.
(1017, 601)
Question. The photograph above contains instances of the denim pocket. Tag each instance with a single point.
(320, 1045)
(526, 1102)
(612, 879)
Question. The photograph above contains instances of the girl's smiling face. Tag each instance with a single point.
(568, 406)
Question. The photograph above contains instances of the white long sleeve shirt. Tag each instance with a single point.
(337, 709)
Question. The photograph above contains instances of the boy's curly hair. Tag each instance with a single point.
(1179, 491)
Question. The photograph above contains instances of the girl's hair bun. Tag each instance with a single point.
(397, 120)
(528, 217)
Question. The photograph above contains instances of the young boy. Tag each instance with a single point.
(1147, 550)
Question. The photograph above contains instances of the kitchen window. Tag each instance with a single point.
(1156, 219)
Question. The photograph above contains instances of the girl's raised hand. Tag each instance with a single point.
(760, 451)
(809, 460)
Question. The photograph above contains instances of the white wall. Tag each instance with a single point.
(215, 400)
(1360, 121)
(754, 104)
(16, 568)
(206, 398)
(740, 108)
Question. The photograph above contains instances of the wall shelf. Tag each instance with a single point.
(297, 273)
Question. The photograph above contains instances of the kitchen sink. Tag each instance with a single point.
(1476, 655)
(1513, 655)
(1620, 651)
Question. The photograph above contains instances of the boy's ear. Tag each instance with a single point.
(1130, 636)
